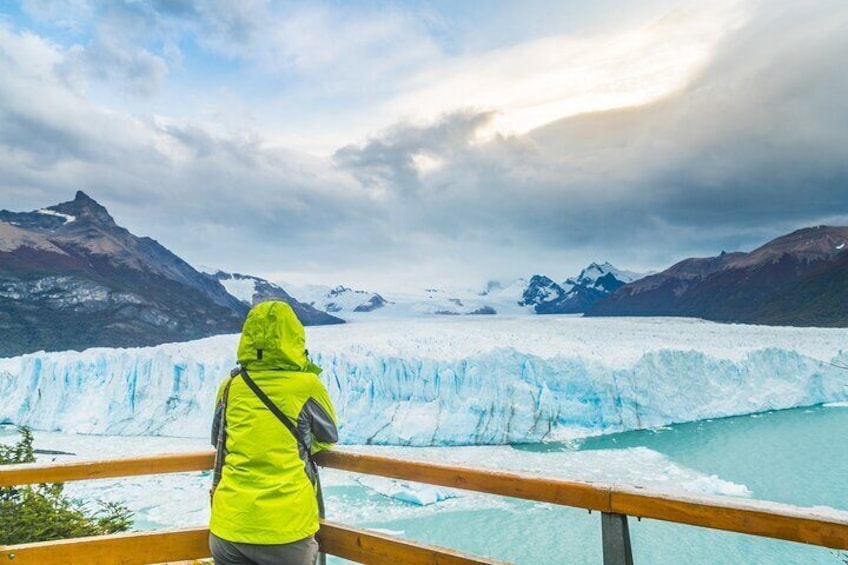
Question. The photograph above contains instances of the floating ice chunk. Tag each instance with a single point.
(387, 532)
(836, 405)
(406, 491)
(712, 485)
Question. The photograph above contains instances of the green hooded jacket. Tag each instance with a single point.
(266, 494)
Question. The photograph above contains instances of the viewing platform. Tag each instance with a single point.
(615, 503)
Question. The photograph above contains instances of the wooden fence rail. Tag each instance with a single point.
(143, 548)
(828, 528)
(822, 527)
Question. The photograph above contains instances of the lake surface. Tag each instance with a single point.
(795, 456)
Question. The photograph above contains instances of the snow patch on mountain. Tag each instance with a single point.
(67, 217)
(242, 288)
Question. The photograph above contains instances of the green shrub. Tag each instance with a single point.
(43, 512)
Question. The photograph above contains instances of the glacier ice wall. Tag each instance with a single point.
(509, 397)
(437, 391)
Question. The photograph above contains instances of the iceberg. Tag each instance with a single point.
(454, 381)
(407, 491)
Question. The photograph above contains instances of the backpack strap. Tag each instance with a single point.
(275, 410)
(221, 434)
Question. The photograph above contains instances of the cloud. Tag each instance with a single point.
(751, 148)
(137, 71)
(396, 160)
(539, 81)
(747, 146)
(230, 28)
(50, 135)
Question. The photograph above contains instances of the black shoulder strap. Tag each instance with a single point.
(276, 412)
(221, 436)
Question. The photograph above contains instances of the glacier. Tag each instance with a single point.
(455, 381)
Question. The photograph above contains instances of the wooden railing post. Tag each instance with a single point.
(616, 539)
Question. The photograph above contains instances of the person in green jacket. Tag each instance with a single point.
(264, 504)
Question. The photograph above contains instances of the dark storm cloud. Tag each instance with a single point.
(44, 144)
(390, 160)
(753, 147)
(756, 142)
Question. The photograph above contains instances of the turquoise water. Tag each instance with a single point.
(794, 456)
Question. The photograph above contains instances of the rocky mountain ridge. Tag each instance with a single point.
(798, 279)
(72, 278)
(577, 294)
(252, 290)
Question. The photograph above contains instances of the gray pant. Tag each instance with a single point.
(303, 552)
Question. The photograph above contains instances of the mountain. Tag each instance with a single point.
(344, 298)
(339, 299)
(604, 277)
(577, 294)
(798, 279)
(544, 295)
(251, 290)
(71, 278)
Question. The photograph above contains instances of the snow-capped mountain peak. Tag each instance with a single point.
(339, 299)
(252, 290)
(595, 272)
(542, 293)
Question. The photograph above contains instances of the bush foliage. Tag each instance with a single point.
(43, 512)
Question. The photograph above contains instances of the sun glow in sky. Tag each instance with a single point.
(537, 82)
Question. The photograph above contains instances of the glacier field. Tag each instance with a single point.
(454, 381)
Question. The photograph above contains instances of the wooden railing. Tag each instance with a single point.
(827, 528)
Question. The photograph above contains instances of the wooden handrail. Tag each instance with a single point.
(540, 489)
(34, 473)
(822, 527)
(141, 548)
(364, 546)
(814, 526)
(136, 548)
(827, 528)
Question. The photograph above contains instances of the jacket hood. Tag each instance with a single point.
(272, 338)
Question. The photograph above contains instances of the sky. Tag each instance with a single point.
(400, 145)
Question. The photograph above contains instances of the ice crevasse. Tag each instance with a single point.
(454, 382)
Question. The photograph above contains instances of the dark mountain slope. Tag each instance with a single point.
(796, 279)
(577, 294)
(71, 278)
